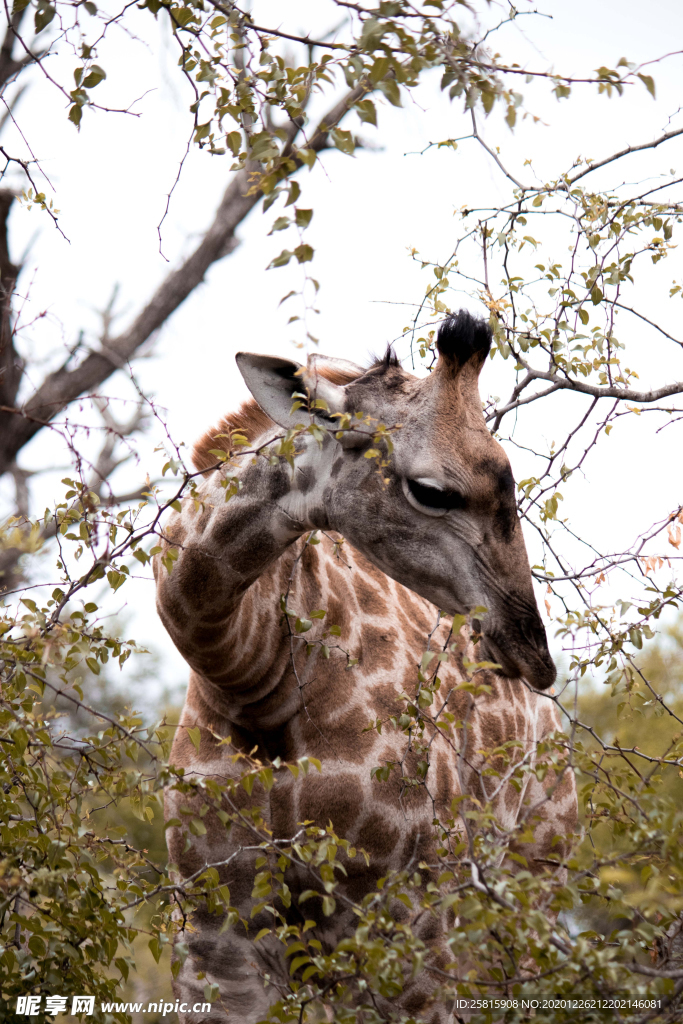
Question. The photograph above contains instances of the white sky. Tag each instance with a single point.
(111, 181)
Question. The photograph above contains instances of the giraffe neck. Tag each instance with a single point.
(220, 603)
(287, 497)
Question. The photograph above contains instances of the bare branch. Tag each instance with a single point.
(242, 194)
(571, 384)
(494, 155)
(623, 152)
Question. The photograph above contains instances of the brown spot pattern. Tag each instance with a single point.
(254, 684)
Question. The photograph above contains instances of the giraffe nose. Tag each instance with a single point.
(521, 649)
(534, 658)
(533, 632)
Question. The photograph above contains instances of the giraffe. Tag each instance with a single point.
(435, 532)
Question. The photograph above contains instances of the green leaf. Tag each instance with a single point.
(488, 98)
(379, 69)
(307, 894)
(367, 112)
(20, 739)
(426, 658)
(282, 260)
(392, 92)
(116, 579)
(649, 84)
(43, 16)
(343, 140)
(96, 74)
(304, 253)
(233, 141)
(120, 963)
(298, 962)
(373, 32)
(195, 735)
(308, 157)
(211, 992)
(303, 217)
(36, 945)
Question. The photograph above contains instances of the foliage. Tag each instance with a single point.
(241, 79)
(78, 897)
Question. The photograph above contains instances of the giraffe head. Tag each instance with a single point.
(445, 524)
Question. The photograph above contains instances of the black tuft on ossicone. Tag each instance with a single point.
(386, 361)
(463, 337)
(390, 358)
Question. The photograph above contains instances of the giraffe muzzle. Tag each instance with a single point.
(521, 650)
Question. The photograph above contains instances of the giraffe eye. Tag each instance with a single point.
(435, 499)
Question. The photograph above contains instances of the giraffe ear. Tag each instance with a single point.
(273, 381)
(463, 340)
(339, 371)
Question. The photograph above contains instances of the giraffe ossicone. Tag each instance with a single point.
(426, 506)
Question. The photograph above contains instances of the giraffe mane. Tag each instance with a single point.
(250, 420)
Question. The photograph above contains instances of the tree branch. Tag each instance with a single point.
(624, 152)
(107, 461)
(63, 386)
(570, 384)
(8, 65)
(10, 367)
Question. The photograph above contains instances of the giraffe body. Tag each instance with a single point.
(253, 682)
